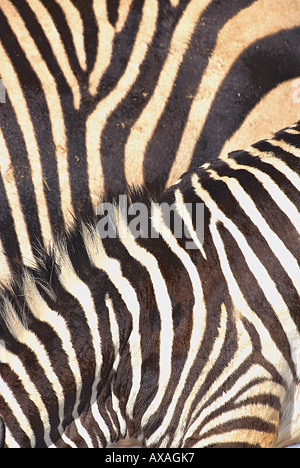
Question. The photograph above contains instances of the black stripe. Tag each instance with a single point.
(41, 41)
(120, 122)
(62, 26)
(20, 63)
(90, 31)
(275, 217)
(8, 233)
(258, 70)
(267, 146)
(289, 138)
(11, 423)
(40, 118)
(113, 11)
(168, 133)
(248, 422)
(255, 296)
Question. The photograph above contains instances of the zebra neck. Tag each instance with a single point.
(61, 340)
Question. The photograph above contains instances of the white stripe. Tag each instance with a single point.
(116, 343)
(116, 407)
(75, 24)
(14, 203)
(186, 217)
(268, 287)
(241, 308)
(106, 35)
(114, 330)
(164, 306)
(124, 9)
(97, 120)
(17, 366)
(262, 411)
(243, 351)
(214, 355)
(10, 441)
(55, 111)
(258, 410)
(67, 441)
(144, 127)
(99, 419)
(232, 40)
(57, 47)
(286, 259)
(78, 289)
(42, 312)
(240, 435)
(255, 372)
(83, 433)
(258, 389)
(28, 338)
(5, 271)
(9, 398)
(292, 131)
(281, 166)
(199, 323)
(112, 268)
(19, 104)
(279, 197)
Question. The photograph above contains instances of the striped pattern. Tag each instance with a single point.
(104, 93)
(143, 337)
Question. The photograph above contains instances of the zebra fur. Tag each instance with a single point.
(143, 337)
(101, 94)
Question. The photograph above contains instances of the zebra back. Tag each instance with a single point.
(172, 320)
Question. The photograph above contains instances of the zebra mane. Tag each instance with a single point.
(74, 247)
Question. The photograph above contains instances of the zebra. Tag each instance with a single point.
(131, 327)
(104, 94)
